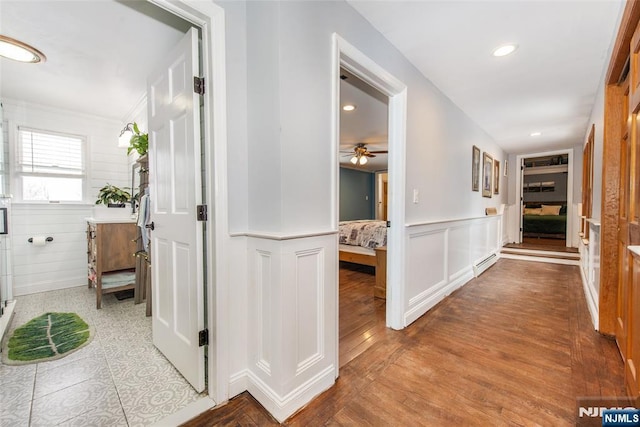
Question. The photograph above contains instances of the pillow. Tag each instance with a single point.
(532, 211)
(550, 210)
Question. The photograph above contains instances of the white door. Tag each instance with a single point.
(175, 191)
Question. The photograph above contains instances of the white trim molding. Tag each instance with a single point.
(356, 62)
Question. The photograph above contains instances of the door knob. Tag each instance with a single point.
(150, 226)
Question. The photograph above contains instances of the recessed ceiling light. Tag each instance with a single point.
(348, 107)
(18, 51)
(505, 50)
(536, 133)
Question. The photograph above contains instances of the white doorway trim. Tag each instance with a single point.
(570, 220)
(211, 20)
(350, 58)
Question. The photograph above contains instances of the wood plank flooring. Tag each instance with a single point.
(362, 317)
(513, 347)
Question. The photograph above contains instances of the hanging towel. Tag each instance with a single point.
(144, 219)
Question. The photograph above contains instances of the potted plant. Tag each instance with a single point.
(113, 197)
(139, 141)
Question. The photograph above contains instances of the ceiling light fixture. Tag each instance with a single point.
(505, 50)
(359, 159)
(348, 107)
(19, 51)
(536, 133)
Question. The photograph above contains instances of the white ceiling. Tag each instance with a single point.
(547, 85)
(99, 53)
(366, 124)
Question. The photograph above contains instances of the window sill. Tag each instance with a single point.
(47, 204)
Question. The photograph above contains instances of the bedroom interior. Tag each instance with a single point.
(544, 193)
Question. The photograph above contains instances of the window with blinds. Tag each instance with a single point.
(51, 166)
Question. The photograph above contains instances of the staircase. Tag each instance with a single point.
(550, 256)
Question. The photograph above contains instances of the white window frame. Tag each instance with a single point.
(17, 174)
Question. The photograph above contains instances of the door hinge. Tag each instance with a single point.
(388, 224)
(202, 212)
(203, 337)
(521, 168)
(198, 85)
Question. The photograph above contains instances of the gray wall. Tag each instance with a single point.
(560, 190)
(357, 195)
(289, 101)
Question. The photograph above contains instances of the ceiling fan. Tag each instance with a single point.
(360, 154)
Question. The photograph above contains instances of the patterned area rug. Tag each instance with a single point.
(47, 337)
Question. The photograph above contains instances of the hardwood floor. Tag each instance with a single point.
(362, 317)
(513, 347)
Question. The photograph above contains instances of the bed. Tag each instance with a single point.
(545, 220)
(364, 242)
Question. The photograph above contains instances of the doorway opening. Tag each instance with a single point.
(137, 359)
(363, 189)
(545, 213)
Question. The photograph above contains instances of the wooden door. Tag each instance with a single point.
(622, 308)
(629, 227)
(175, 191)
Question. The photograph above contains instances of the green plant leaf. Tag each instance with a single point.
(112, 194)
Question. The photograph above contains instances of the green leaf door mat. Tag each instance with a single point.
(47, 337)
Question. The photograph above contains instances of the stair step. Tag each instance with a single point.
(542, 254)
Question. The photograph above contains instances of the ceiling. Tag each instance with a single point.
(366, 124)
(548, 85)
(100, 52)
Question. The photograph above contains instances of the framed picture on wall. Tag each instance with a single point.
(487, 175)
(496, 177)
(475, 169)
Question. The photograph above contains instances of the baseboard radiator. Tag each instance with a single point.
(481, 266)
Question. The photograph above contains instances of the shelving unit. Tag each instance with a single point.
(143, 257)
(111, 248)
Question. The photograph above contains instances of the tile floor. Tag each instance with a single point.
(119, 379)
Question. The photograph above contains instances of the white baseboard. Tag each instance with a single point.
(47, 286)
(282, 407)
(462, 277)
(238, 383)
(592, 304)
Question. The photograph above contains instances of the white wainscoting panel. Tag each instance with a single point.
(440, 258)
(459, 250)
(292, 321)
(590, 270)
(426, 259)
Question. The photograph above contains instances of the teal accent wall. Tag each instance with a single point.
(357, 194)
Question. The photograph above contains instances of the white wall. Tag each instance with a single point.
(63, 262)
(288, 164)
(290, 60)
